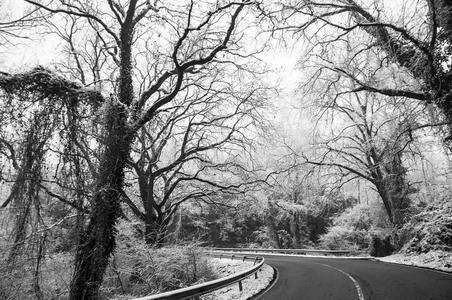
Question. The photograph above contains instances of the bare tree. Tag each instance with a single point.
(199, 32)
(410, 47)
(370, 141)
(199, 149)
(14, 28)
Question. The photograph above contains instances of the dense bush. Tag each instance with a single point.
(431, 229)
(136, 269)
(380, 247)
(18, 280)
(222, 226)
(354, 227)
(344, 237)
(139, 270)
(294, 215)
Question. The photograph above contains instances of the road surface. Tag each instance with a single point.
(349, 279)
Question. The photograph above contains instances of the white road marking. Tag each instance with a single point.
(355, 282)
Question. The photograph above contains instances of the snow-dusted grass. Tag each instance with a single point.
(435, 259)
(225, 266)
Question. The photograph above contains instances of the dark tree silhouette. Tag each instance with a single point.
(197, 149)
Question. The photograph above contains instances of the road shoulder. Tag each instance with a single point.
(440, 261)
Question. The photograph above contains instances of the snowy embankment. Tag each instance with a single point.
(435, 259)
(225, 266)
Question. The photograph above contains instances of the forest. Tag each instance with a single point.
(134, 133)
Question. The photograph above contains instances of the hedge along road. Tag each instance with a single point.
(348, 279)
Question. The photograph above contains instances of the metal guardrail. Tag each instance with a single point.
(288, 251)
(193, 292)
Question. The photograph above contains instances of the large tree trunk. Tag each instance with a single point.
(386, 200)
(396, 204)
(295, 229)
(151, 232)
(97, 241)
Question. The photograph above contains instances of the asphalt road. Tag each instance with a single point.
(349, 279)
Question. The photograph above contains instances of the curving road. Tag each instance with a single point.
(349, 279)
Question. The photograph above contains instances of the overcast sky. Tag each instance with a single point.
(46, 50)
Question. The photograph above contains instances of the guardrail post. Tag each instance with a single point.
(240, 286)
(255, 275)
(255, 260)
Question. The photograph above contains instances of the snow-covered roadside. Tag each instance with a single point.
(435, 259)
(225, 266)
(362, 256)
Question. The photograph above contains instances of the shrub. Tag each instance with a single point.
(380, 247)
(344, 237)
(18, 281)
(354, 227)
(138, 269)
(430, 229)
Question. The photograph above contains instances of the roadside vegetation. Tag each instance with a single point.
(137, 132)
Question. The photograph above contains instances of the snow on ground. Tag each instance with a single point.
(225, 267)
(358, 255)
(435, 259)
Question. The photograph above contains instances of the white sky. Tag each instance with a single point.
(46, 50)
(37, 50)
